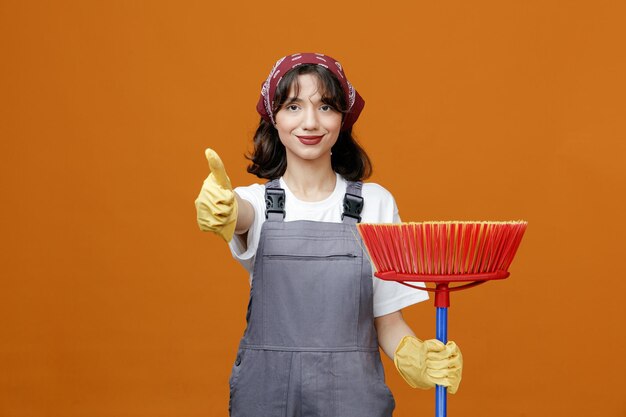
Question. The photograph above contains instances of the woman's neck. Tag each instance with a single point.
(310, 180)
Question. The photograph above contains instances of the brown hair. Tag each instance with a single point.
(269, 158)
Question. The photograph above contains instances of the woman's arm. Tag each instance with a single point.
(391, 328)
(245, 215)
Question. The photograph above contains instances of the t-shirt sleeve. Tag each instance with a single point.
(390, 296)
(244, 250)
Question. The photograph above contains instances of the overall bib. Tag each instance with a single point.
(310, 345)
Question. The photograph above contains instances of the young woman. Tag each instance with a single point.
(316, 315)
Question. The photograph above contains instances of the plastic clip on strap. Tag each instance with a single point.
(274, 201)
(352, 206)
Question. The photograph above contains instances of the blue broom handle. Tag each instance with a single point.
(442, 335)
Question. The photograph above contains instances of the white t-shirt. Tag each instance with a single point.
(379, 207)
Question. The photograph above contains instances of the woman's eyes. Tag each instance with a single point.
(295, 107)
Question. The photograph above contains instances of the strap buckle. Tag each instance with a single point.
(274, 201)
(352, 206)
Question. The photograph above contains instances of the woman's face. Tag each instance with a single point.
(306, 126)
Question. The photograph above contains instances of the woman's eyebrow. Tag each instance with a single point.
(300, 100)
(293, 100)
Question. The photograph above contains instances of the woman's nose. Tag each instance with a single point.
(310, 121)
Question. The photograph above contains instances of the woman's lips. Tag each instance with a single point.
(311, 140)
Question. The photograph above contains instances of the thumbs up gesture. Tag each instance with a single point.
(216, 205)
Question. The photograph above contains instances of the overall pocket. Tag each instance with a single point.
(234, 377)
(236, 370)
(311, 300)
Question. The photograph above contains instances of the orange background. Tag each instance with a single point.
(113, 303)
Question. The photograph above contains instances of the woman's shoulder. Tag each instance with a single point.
(380, 206)
(253, 188)
(375, 191)
(254, 193)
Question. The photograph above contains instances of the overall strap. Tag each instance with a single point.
(274, 201)
(352, 203)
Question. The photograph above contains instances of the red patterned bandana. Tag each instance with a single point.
(285, 64)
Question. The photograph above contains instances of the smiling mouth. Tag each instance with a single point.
(310, 139)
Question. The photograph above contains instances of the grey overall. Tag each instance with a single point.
(310, 345)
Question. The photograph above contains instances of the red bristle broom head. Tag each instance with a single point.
(442, 251)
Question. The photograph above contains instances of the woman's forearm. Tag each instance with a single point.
(391, 328)
(245, 215)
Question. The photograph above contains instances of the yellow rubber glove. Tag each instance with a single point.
(216, 205)
(429, 363)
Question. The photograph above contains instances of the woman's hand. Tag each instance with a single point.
(429, 363)
(216, 205)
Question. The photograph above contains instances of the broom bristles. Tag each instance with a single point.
(442, 248)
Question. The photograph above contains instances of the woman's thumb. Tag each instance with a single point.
(217, 168)
(434, 345)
